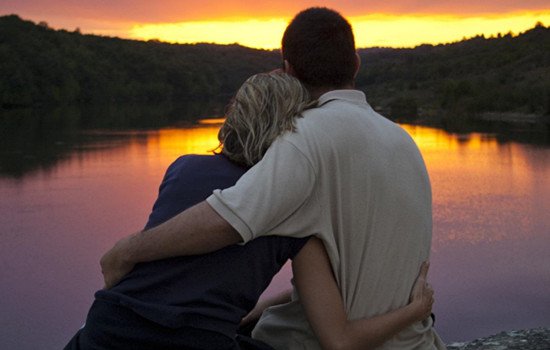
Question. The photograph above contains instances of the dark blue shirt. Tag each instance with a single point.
(212, 291)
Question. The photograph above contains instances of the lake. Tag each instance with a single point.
(69, 189)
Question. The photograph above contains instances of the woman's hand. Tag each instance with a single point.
(422, 294)
(277, 299)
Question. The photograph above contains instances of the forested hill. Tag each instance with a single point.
(498, 74)
(39, 65)
(42, 66)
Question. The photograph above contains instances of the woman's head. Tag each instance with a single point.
(264, 107)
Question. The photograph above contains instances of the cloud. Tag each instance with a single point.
(146, 11)
(401, 23)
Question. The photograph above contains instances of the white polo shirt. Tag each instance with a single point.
(357, 181)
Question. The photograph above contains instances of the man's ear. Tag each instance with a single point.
(357, 64)
(289, 69)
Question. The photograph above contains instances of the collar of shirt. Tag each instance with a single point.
(353, 96)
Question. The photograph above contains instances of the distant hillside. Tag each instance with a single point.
(42, 66)
(501, 74)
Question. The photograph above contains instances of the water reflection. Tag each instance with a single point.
(36, 140)
(62, 211)
(491, 232)
(481, 186)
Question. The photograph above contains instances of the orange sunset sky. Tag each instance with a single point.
(260, 24)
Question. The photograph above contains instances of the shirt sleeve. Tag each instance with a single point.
(269, 194)
(297, 245)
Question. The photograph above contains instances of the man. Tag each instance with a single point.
(347, 175)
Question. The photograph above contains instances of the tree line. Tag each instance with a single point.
(504, 73)
(40, 66)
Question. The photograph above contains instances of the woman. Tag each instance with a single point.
(197, 302)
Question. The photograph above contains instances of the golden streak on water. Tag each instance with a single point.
(215, 121)
(480, 184)
(198, 140)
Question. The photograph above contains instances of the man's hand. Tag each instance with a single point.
(115, 263)
(422, 294)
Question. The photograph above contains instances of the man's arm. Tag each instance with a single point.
(184, 234)
(264, 196)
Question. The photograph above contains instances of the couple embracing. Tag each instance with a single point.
(307, 171)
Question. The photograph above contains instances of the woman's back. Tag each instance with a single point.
(212, 291)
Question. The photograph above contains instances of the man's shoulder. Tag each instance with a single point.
(336, 116)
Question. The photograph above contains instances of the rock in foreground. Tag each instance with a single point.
(531, 339)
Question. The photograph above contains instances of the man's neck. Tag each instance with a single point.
(317, 92)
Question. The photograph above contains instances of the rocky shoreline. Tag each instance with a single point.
(530, 339)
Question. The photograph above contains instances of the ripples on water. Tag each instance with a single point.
(490, 261)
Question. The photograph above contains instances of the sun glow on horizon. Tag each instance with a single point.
(370, 31)
(265, 34)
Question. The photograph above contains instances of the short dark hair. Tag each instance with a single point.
(319, 45)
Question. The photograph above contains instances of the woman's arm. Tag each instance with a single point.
(325, 311)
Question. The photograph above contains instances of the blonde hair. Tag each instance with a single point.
(265, 106)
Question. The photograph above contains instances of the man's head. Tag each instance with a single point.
(319, 49)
